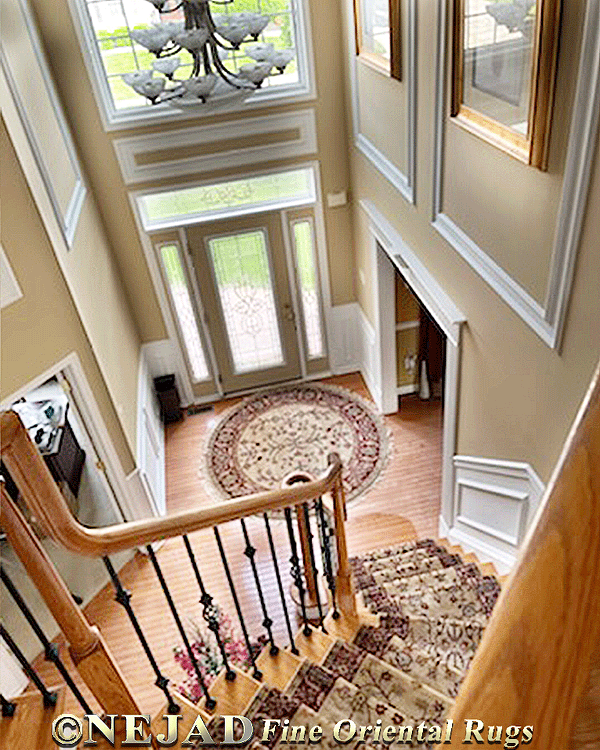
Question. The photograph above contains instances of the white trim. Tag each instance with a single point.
(404, 183)
(300, 328)
(546, 319)
(20, 125)
(345, 341)
(444, 312)
(220, 157)
(275, 96)
(71, 366)
(10, 291)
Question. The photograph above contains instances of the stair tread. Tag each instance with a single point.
(278, 670)
(315, 646)
(232, 697)
(31, 725)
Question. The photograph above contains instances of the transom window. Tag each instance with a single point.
(107, 26)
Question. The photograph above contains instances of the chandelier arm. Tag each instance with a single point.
(171, 10)
(224, 72)
(212, 30)
(169, 53)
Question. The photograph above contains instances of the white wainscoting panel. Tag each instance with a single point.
(369, 357)
(150, 474)
(344, 344)
(218, 137)
(494, 504)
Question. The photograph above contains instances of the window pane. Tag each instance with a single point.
(182, 303)
(243, 279)
(375, 27)
(498, 54)
(208, 201)
(304, 247)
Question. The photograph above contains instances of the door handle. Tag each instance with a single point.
(288, 313)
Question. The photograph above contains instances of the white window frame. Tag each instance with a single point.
(115, 119)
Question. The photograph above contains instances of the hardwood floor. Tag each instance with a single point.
(402, 505)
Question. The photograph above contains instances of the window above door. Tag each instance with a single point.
(105, 26)
(377, 27)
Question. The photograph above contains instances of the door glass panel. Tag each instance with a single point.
(180, 295)
(245, 290)
(304, 248)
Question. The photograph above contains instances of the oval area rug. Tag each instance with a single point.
(294, 428)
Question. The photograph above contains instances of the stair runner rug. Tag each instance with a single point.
(294, 428)
(404, 672)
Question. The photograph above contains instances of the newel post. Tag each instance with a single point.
(344, 589)
(88, 650)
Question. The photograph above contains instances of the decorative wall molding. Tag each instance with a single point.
(368, 353)
(20, 29)
(404, 183)
(494, 504)
(10, 291)
(129, 149)
(546, 319)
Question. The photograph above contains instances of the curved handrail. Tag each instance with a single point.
(50, 509)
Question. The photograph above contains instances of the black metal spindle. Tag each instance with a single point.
(267, 623)
(209, 610)
(313, 565)
(256, 673)
(210, 702)
(326, 554)
(49, 698)
(286, 614)
(123, 597)
(296, 571)
(51, 651)
(8, 707)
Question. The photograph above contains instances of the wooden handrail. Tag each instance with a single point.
(86, 645)
(534, 660)
(47, 504)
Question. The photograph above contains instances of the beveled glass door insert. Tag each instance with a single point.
(242, 274)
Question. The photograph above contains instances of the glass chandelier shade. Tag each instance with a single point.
(209, 40)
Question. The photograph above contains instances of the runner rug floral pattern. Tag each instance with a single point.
(294, 428)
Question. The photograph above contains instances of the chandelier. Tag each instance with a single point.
(209, 40)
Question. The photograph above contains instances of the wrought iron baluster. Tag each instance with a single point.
(209, 610)
(8, 707)
(326, 554)
(256, 673)
(296, 571)
(51, 650)
(210, 702)
(49, 698)
(286, 614)
(123, 597)
(313, 565)
(267, 623)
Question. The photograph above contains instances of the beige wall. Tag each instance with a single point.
(95, 145)
(43, 326)
(517, 396)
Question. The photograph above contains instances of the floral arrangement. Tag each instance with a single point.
(208, 655)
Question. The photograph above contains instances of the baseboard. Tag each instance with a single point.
(503, 561)
(406, 390)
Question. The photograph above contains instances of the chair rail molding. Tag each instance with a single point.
(403, 182)
(547, 319)
(494, 503)
(303, 142)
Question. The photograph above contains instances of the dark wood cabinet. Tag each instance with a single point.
(66, 463)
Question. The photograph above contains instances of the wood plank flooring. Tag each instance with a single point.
(403, 504)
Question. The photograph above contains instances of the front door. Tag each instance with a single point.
(243, 279)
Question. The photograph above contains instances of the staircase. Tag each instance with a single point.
(407, 636)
